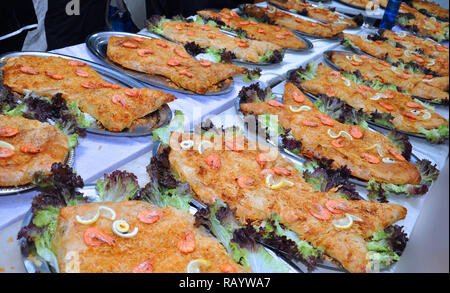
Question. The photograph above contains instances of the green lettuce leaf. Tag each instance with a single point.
(163, 133)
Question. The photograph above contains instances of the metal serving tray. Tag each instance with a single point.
(327, 59)
(297, 158)
(239, 61)
(143, 126)
(97, 43)
(35, 264)
(314, 5)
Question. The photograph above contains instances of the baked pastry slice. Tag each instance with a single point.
(255, 30)
(235, 178)
(284, 19)
(116, 108)
(28, 146)
(171, 60)
(366, 153)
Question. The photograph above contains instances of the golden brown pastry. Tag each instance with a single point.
(418, 85)
(354, 147)
(408, 115)
(168, 59)
(235, 177)
(155, 248)
(113, 106)
(320, 13)
(281, 18)
(256, 31)
(36, 146)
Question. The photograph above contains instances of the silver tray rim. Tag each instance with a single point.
(110, 73)
(91, 41)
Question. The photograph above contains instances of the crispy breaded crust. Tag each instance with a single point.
(157, 241)
(203, 78)
(350, 94)
(317, 142)
(373, 69)
(98, 101)
(281, 18)
(380, 49)
(257, 31)
(207, 36)
(20, 168)
(322, 14)
(258, 202)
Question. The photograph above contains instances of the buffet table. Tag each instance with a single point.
(97, 154)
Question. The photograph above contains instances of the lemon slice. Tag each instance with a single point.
(107, 213)
(355, 218)
(88, 221)
(343, 223)
(302, 108)
(4, 144)
(356, 58)
(195, 265)
(204, 145)
(271, 184)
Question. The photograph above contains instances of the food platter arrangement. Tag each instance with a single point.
(340, 130)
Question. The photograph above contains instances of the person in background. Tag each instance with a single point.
(170, 8)
(69, 22)
(17, 17)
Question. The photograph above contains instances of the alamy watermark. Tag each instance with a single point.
(73, 7)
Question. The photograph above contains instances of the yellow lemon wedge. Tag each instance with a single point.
(5, 145)
(270, 182)
(299, 109)
(204, 145)
(88, 221)
(195, 265)
(107, 213)
(356, 58)
(343, 223)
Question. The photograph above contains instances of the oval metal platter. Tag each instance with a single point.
(35, 264)
(142, 126)
(238, 61)
(299, 33)
(373, 124)
(308, 43)
(97, 43)
(297, 13)
(70, 159)
(296, 157)
(330, 63)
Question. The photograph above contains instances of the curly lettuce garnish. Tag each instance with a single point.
(272, 57)
(307, 73)
(401, 141)
(436, 135)
(117, 186)
(341, 111)
(381, 191)
(57, 190)
(154, 24)
(222, 222)
(162, 134)
(346, 42)
(386, 246)
(251, 75)
(275, 235)
(255, 94)
(322, 177)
